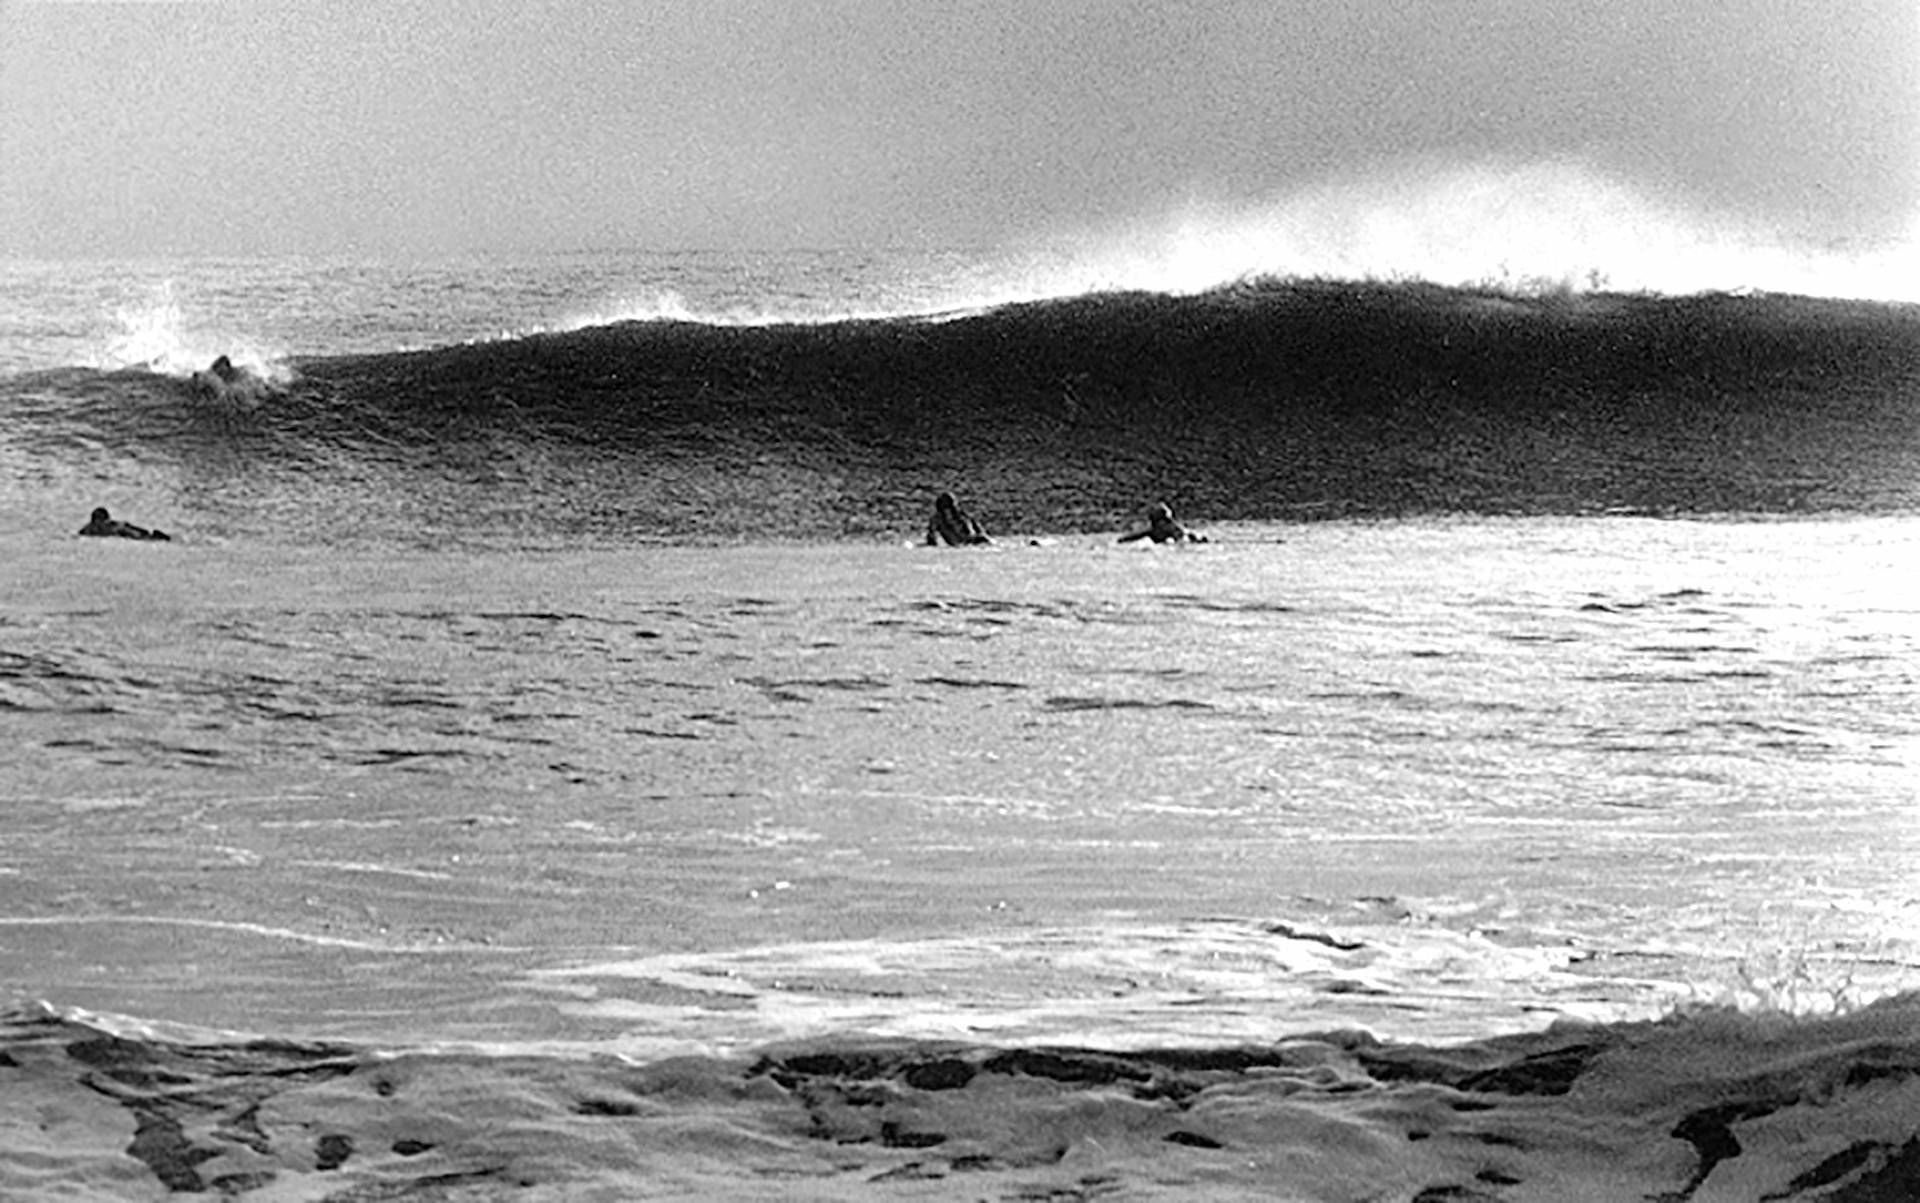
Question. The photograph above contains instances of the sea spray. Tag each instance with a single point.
(1523, 227)
(157, 331)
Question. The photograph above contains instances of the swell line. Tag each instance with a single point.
(252, 929)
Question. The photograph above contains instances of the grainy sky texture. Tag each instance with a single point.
(431, 126)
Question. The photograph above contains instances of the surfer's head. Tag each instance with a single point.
(1159, 511)
(945, 504)
(100, 515)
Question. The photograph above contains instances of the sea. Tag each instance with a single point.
(547, 761)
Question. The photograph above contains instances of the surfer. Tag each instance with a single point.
(1161, 527)
(104, 524)
(217, 378)
(225, 380)
(952, 525)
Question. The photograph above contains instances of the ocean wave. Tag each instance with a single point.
(1266, 399)
(1271, 343)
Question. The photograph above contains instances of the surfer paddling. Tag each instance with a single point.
(225, 380)
(218, 377)
(953, 526)
(1162, 528)
(105, 525)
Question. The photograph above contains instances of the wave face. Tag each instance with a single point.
(1271, 400)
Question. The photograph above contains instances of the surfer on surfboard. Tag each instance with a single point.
(953, 526)
(225, 380)
(1162, 528)
(104, 524)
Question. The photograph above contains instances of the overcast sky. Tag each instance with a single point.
(347, 127)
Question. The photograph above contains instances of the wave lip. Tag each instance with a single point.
(1525, 227)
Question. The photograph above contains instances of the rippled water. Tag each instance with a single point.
(427, 794)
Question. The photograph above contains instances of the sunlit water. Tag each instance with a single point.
(662, 797)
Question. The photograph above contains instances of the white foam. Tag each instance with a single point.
(157, 332)
(1559, 225)
(1110, 986)
(664, 305)
(670, 306)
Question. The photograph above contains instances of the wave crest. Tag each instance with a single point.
(156, 333)
(1525, 228)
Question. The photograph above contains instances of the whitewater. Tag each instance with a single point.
(546, 764)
